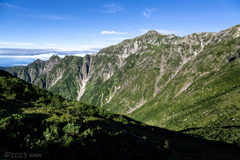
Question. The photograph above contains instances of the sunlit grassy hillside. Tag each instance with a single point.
(209, 107)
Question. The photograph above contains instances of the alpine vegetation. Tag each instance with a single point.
(188, 84)
(35, 123)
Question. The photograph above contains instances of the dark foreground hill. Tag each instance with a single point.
(37, 123)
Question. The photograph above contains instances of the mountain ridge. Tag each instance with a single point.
(140, 77)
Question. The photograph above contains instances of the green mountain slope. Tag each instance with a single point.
(163, 80)
(34, 121)
(37, 123)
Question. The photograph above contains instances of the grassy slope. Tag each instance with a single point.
(209, 108)
(68, 67)
(36, 121)
(137, 77)
(67, 86)
(210, 101)
(138, 66)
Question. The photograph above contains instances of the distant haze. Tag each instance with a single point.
(21, 57)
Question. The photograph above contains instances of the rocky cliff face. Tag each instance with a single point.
(138, 75)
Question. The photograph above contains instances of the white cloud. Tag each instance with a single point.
(31, 52)
(113, 32)
(147, 12)
(21, 64)
(49, 44)
(81, 55)
(92, 48)
(39, 56)
(16, 43)
(19, 56)
(162, 31)
(51, 53)
(112, 8)
(8, 5)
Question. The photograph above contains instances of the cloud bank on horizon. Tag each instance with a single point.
(17, 43)
(28, 28)
(13, 57)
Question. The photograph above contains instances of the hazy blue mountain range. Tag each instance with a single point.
(164, 80)
(4, 68)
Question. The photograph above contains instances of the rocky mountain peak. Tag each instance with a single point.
(153, 32)
(53, 57)
(237, 31)
(170, 35)
(37, 61)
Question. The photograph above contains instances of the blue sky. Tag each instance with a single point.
(31, 29)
